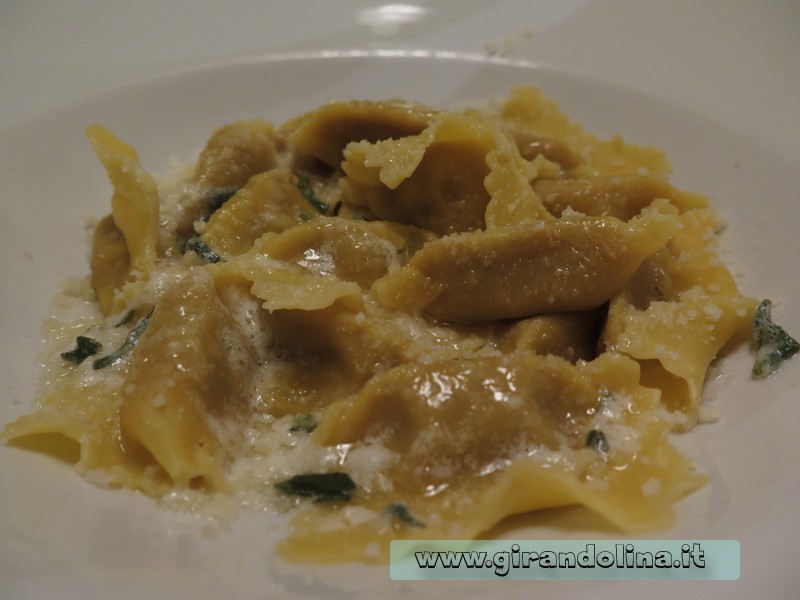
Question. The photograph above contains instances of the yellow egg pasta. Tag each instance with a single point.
(135, 215)
(395, 322)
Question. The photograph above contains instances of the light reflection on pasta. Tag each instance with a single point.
(425, 320)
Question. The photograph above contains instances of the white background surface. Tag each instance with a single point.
(733, 62)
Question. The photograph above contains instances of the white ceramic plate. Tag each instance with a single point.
(61, 537)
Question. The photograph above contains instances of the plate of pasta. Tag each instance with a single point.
(299, 307)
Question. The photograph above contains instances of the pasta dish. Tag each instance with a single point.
(393, 321)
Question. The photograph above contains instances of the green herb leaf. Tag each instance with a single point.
(202, 250)
(84, 348)
(323, 487)
(127, 319)
(219, 196)
(399, 511)
(306, 423)
(304, 185)
(126, 347)
(771, 343)
(596, 439)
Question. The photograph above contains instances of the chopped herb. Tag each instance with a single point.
(126, 347)
(771, 343)
(202, 250)
(219, 196)
(306, 423)
(413, 243)
(304, 216)
(323, 487)
(304, 185)
(216, 198)
(399, 511)
(84, 348)
(596, 439)
(127, 319)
